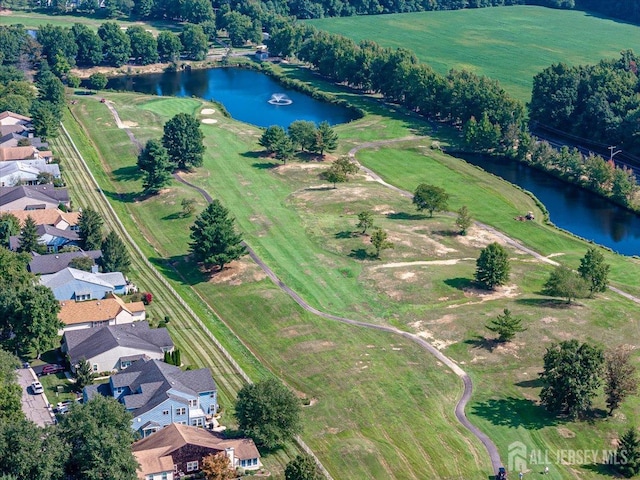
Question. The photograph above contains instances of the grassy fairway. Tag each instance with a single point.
(381, 408)
(509, 44)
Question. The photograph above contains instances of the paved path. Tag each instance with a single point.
(33, 406)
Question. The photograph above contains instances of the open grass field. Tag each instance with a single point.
(33, 20)
(380, 400)
(509, 44)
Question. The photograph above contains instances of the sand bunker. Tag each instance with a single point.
(209, 120)
(207, 111)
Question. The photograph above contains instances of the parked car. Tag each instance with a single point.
(36, 388)
(62, 407)
(51, 368)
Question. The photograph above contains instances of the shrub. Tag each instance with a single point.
(147, 298)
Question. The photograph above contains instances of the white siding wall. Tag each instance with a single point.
(109, 360)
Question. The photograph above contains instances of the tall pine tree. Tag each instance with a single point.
(29, 237)
(90, 229)
(115, 257)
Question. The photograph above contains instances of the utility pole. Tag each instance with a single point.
(612, 153)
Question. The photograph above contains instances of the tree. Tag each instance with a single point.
(194, 42)
(183, 140)
(144, 47)
(99, 435)
(628, 453)
(197, 11)
(116, 46)
(169, 46)
(218, 467)
(51, 89)
(302, 133)
(620, 376)
(115, 257)
(153, 160)
(594, 270)
(10, 390)
(326, 139)
(340, 170)
(284, 149)
(73, 81)
(90, 229)
(269, 413)
(97, 81)
(365, 220)
(240, 28)
(9, 225)
(214, 237)
(380, 242)
(271, 137)
(89, 46)
(14, 103)
(463, 220)
(303, 467)
(565, 283)
(506, 326)
(624, 185)
(188, 206)
(82, 263)
(35, 321)
(431, 198)
(29, 238)
(492, 266)
(571, 377)
(45, 119)
(84, 374)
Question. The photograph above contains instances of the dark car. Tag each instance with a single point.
(51, 368)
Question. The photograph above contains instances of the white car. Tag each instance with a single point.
(37, 389)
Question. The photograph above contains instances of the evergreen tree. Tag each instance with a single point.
(84, 374)
(506, 326)
(492, 266)
(90, 229)
(628, 453)
(271, 137)
(115, 257)
(154, 161)
(326, 139)
(214, 238)
(9, 226)
(29, 237)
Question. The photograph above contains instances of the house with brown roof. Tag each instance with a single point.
(49, 216)
(10, 118)
(18, 153)
(98, 313)
(178, 449)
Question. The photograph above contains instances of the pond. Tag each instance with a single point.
(244, 93)
(570, 207)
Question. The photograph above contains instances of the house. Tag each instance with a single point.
(53, 238)
(15, 136)
(32, 197)
(7, 129)
(18, 153)
(111, 348)
(53, 263)
(98, 313)
(73, 284)
(179, 449)
(50, 216)
(158, 394)
(8, 118)
(25, 172)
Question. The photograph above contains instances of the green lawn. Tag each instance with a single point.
(381, 400)
(509, 44)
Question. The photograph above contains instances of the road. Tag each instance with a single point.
(34, 406)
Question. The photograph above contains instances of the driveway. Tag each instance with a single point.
(34, 406)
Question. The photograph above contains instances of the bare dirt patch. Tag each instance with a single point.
(428, 335)
(299, 166)
(296, 330)
(5, 12)
(452, 261)
(509, 348)
(479, 238)
(239, 272)
(128, 124)
(565, 432)
(207, 111)
(506, 291)
(209, 121)
(548, 320)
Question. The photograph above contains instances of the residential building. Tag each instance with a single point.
(179, 449)
(53, 238)
(26, 172)
(74, 284)
(50, 216)
(98, 313)
(32, 197)
(112, 348)
(13, 137)
(8, 118)
(158, 394)
(18, 153)
(53, 263)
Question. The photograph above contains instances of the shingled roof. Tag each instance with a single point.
(72, 312)
(47, 264)
(46, 193)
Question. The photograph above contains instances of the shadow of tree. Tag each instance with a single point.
(180, 269)
(255, 154)
(319, 189)
(604, 469)
(345, 234)
(459, 283)
(446, 233)
(361, 254)
(173, 216)
(545, 303)
(264, 165)
(406, 216)
(533, 383)
(514, 412)
(121, 197)
(479, 341)
(126, 174)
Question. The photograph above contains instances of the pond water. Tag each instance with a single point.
(574, 209)
(244, 93)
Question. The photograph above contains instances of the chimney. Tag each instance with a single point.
(94, 268)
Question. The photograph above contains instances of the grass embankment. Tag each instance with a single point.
(304, 230)
(364, 402)
(509, 44)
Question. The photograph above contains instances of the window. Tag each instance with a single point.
(196, 422)
(164, 476)
(175, 468)
(181, 411)
(255, 461)
(212, 395)
(192, 466)
(193, 403)
(95, 367)
(165, 412)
